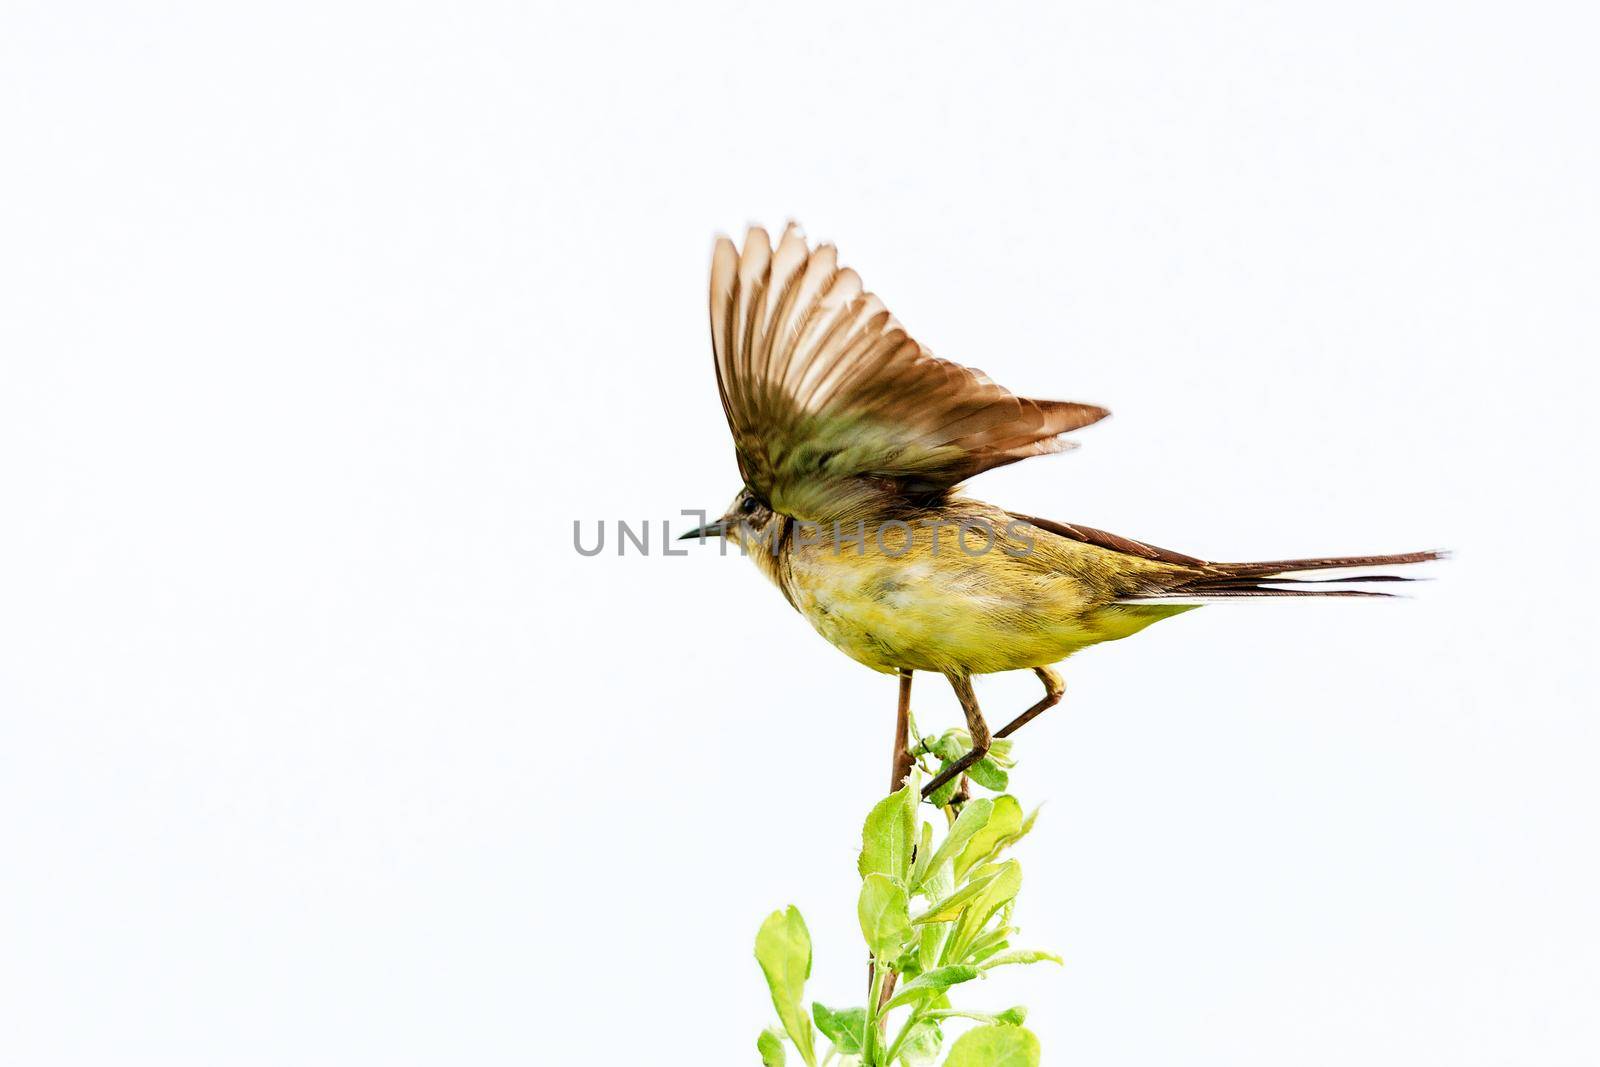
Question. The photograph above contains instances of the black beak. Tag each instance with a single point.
(710, 529)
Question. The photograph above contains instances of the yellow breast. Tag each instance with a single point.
(920, 602)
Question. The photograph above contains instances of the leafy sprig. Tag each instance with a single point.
(935, 917)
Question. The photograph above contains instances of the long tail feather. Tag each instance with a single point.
(1282, 578)
(1290, 566)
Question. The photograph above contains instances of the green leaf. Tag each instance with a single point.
(995, 1046)
(887, 836)
(943, 795)
(952, 744)
(1009, 1017)
(992, 943)
(993, 940)
(921, 1044)
(928, 946)
(974, 816)
(996, 894)
(950, 907)
(1004, 821)
(845, 1028)
(924, 855)
(938, 883)
(885, 916)
(933, 982)
(987, 773)
(783, 948)
(1021, 955)
(1027, 824)
(770, 1045)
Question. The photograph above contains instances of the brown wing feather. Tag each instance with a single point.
(832, 403)
(1115, 542)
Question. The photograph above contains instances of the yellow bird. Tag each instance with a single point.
(852, 440)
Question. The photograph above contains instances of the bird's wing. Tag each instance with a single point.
(832, 404)
(1115, 542)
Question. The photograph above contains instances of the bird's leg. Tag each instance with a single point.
(979, 730)
(1053, 688)
(902, 735)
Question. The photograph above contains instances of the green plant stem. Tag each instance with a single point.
(869, 1039)
(905, 1032)
(904, 730)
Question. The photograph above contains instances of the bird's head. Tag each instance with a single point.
(749, 522)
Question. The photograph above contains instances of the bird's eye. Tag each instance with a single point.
(749, 505)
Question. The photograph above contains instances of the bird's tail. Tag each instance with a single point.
(1286, 577)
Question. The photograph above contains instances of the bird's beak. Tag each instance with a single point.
(710, 529)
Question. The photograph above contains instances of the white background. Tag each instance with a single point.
(321, 324)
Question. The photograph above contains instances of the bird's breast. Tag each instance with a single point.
(949, 613)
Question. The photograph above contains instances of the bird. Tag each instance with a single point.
(853, 441)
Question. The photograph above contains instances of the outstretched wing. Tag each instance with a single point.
(832, 404)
